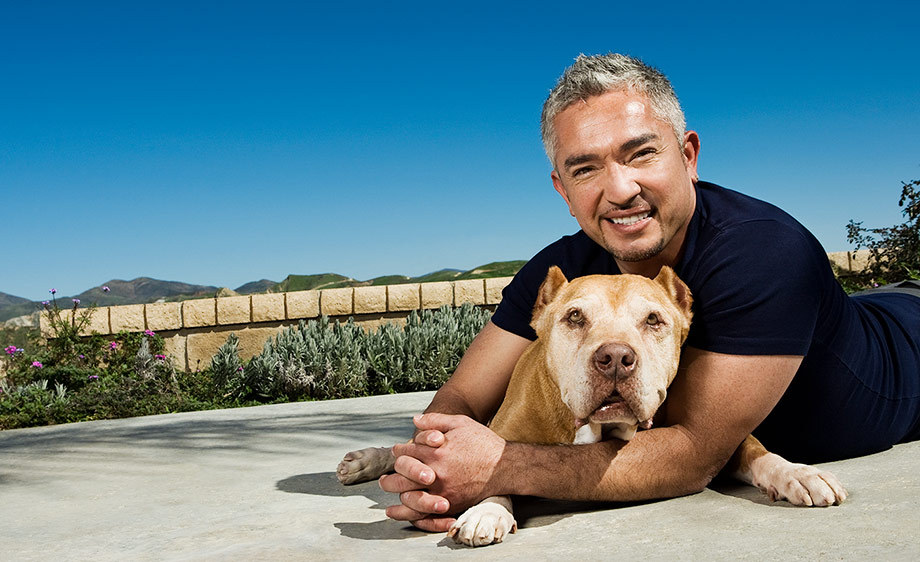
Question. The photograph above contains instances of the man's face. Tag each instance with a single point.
(625, 178)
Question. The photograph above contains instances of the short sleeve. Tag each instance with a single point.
(757, 290)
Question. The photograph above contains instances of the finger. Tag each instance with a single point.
(435, 524)
(397, 484)
(429, 437)
(403, 513)
(441, 422)
(424, 502)
(414, 470)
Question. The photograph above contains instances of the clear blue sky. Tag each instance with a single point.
(223, 142)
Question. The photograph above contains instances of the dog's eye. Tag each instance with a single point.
(576, 317)
(653, 319)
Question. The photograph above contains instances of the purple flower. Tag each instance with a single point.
(105, 289)
(81, 356)
(46, 303)
(240, 369)
(52, 291)
(160, 357)
(149, 333)
(76, 301)
(37, 364)
(10, 350)
(113, 345)
(93, 377)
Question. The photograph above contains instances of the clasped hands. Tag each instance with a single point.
(450, 466)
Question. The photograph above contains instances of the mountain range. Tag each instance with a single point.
(146, 290)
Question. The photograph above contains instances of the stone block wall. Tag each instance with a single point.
(193, 330)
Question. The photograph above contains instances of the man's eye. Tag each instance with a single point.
(582, 171)
(644, 152)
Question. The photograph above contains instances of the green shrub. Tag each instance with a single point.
(320, 359)
(424, 354)
(894, 252)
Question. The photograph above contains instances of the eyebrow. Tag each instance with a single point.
(625, 147)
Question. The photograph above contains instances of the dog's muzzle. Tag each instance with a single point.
(615, 360)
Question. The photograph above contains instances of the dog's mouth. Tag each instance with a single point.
(613, 408)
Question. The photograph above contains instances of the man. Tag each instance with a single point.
(776, 349)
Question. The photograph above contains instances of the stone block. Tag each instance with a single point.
(233, 310)
(200, 348)
(44, 321)
(199, 312)
(494, 288)
(302, 304)
(403, 297)
(129, 317)
(164, 316)
(98, 322)
(337, 302)
(469, 290)
(436, 295)
(174, 347)
(369, 300)
(268, 307)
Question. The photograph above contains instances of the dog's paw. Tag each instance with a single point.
(799, 484)
(366, 464)
(483, 524)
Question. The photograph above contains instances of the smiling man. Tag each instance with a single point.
(776, 348)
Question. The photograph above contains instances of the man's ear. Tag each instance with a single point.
(692, 154)
(560, 189)
(554, 282)
(678, 291)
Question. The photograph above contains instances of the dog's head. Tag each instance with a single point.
(613, 342)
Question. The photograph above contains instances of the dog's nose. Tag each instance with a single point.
(615, 359)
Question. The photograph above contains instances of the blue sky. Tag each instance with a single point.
(223, 142)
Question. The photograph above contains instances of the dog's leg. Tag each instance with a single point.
(366, 464)
(485, 523)
(799, 484)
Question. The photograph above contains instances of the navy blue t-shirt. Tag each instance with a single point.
(762, 285)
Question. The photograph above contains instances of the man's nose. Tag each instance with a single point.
(620, 187)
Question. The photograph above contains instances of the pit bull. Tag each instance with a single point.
(608, 347)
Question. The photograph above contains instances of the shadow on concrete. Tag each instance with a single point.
(726, 486)
(530, 512)
(203, 432)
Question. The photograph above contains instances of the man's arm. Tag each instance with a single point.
(476, 389)
(715, 401)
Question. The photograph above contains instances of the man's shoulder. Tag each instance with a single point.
(721, 208)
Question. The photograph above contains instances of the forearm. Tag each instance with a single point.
(664, 462)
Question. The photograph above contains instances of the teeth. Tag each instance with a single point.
(630, 220)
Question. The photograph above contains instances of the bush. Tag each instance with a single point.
(320, 359)
(894, 252)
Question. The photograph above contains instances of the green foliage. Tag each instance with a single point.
(894, 252)
(423, 355)
(72, 378)
(320, 359)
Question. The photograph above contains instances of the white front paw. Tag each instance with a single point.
(483, 524)
(799, 484)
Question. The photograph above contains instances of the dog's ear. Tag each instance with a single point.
(677, 289)
(554, 282)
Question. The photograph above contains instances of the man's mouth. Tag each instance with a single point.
(630, 220)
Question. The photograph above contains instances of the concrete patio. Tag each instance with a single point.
(258, 483)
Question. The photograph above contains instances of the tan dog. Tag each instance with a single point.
(607, 349)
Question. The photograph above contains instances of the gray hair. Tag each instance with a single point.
(598, 74)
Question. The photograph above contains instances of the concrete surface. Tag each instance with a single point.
(258, 484)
